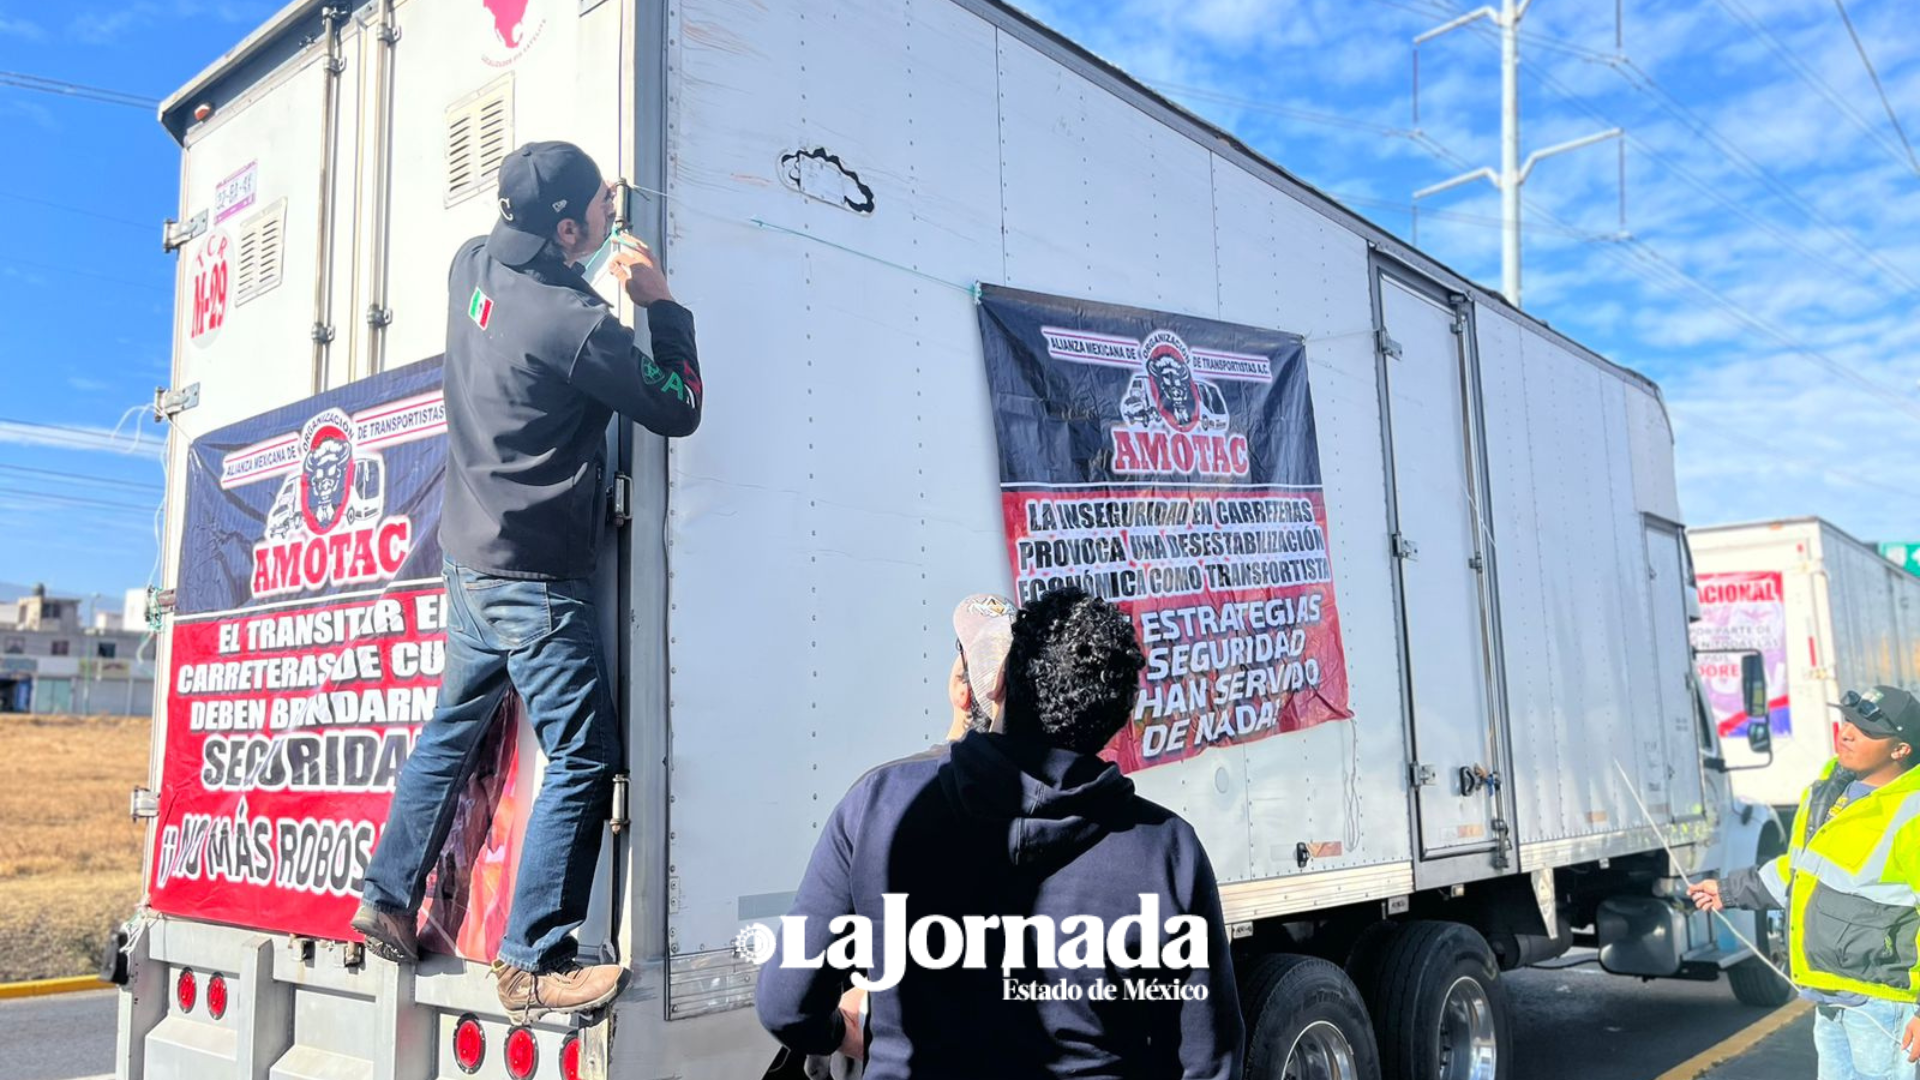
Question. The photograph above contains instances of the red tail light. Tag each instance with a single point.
(186, 991)
(469, 1044)
(217, 996)
(570, 1057)
(523, 1053)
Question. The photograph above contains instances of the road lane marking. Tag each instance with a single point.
(1738, 1043)
(37, 987)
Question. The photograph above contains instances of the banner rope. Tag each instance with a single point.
(1660, 835)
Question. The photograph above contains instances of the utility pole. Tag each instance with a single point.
(1512, 174)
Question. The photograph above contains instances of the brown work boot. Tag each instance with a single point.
(574, 988)
(387, 934)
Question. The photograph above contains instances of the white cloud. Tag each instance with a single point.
(21, 28)
(111, 25)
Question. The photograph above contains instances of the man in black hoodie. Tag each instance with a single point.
(1026, 823)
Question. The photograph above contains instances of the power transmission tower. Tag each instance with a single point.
(1512, 173)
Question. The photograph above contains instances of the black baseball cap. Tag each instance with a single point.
(540, 184)
(1884, 712)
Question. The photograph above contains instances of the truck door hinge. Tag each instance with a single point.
(620, 500)
(1478, 563)
(1384, 342)
(168, 404)
(322, 334)
(1404, 548)
(144, 804)
(618, 822)
(174, 235)
(1422, 775)
(378, 316)
(1504, 834)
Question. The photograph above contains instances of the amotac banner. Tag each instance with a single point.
(1170, 464)
(1742, 611)
(307, 647)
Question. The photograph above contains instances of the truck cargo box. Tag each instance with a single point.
(836, 187)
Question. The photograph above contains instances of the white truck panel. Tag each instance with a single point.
(794, 563)
(1850, 623)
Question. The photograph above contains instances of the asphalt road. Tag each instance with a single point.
(1580, 1022)
(1572, 1024)
(60, 1037)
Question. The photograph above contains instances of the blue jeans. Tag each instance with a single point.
(1857, 1044)
(542, 638)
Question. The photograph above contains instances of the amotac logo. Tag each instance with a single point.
(327, 524)
(1172, 421)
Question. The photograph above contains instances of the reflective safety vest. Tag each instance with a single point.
(1851, 888)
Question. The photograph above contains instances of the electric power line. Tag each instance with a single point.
(1694, 181)
(75, 438)
(85, 274)
(45, 85)
(1807, 75)
(1879, 89)
(92, 504)
(1639, 79)
(1745, 162)
(85, 478)
(75, 210)
(1334, 120)
(1637, 256)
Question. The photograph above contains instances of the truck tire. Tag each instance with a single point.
(1753, 982)
(1305, 1021)
(1439, 1010)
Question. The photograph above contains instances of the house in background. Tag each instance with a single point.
(51, 661)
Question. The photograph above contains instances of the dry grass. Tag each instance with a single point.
(69, 856)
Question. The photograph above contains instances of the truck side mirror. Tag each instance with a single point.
(1753, 685)
(1760, 737)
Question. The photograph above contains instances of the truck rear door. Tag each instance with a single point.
(1440, 537)
(1667, 604)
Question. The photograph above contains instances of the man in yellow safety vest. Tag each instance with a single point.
(1848, 883)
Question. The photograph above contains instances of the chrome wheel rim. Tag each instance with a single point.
(1320, 1052)
(1469, 1048)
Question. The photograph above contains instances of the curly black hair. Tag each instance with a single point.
(1073, 670)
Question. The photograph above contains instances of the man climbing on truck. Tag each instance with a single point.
(536, 366)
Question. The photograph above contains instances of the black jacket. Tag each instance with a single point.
(536, 366)
(999, 825)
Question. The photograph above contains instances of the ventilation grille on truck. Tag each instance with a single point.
(479, 134)
(262, 249)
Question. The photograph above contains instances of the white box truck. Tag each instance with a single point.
(1826, 613)
(830, 183)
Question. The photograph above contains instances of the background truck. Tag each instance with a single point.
(829, 182)
(1826, 612)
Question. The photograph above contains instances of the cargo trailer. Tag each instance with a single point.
(1498, 738)
(1825, 612)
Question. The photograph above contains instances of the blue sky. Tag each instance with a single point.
(1771, 278)
(85, 291)
(1769, 282)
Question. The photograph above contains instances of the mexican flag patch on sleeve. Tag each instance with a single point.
(480, 309)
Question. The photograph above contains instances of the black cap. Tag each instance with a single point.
(1884, 712)
(540, 184)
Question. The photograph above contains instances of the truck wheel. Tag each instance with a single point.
(1754, 983)
(1439, 1009)
(1305, 1021)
